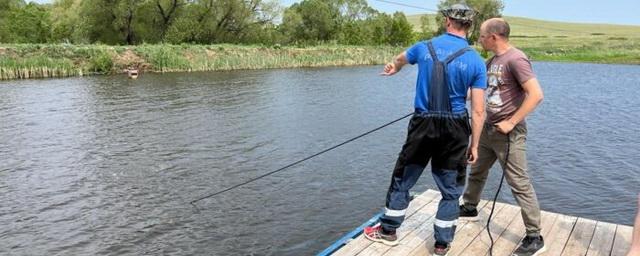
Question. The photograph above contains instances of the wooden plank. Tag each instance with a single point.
(622, 240)
(580, 237)
(422, 236)
(426, 247)
(511, 238)
(602, 240)
(464, 234)
(564, 235)
(416, 236)
(559, 234)
(408, 226)
(360, 243)
(473, 229)
(499, 223)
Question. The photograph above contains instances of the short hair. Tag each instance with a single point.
(461, 24)
(499, 27)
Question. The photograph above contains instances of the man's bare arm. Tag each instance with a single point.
(396, 65)
(532, 99)
(477, 122)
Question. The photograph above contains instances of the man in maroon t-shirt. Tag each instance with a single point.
(512, 93)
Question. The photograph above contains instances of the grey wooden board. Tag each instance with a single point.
(564, 235)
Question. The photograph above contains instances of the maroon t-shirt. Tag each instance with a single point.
(505, 75)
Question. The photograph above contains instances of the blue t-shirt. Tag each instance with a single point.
(468, 70)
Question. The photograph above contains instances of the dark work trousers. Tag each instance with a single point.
(442, 138)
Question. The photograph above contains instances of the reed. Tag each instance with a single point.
(36, 67)
(21, 61)
(41, 61)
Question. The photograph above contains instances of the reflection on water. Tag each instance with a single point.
(107, 165)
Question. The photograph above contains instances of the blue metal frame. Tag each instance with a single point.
(349, 236)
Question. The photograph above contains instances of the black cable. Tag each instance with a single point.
(512, 23)
(299, 161)
(506, 163)
(407, 5)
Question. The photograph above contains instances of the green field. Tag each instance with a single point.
(562, 41)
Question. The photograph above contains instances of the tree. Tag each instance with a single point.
(65, 22)
(355, 20)
(98, 17)
(167, 11)
(354, 33)
(312, 20)
(186, 27)
(224, 21)
(426, 31)
(401, 30)
(485, 9)
(111, 21)
(380, 29)
(29, 24)
(6, 9)
(260, 28)
(347, 21)
(124, 18)
(354, 10)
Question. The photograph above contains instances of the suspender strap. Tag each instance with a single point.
(451, 57)
(439, 99)
(457, 54)
(432, 52)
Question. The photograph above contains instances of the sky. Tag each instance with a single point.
(585, 11)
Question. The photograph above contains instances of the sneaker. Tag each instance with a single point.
(440, 249)
(468, 215)
(376, 234)
(531, 246)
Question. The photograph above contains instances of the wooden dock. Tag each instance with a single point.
(563, 235)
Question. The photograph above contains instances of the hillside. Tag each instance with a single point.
(563, 41)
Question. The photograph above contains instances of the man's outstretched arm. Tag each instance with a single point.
(396, 65)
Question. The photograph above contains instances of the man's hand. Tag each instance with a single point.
(394, 67)
(472, 154)
(505, 127)
(389, 70)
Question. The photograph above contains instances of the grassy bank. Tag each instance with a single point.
(592, 48)
(541, 40)
(570, 42)
(560, 41)
(38, 61)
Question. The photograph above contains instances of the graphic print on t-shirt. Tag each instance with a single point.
(494, 80)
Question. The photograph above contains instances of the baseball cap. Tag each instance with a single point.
(459, 11)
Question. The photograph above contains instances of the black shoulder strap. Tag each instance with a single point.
(457, 54)
(432, 51)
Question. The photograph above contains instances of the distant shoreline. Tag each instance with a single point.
(24, 61)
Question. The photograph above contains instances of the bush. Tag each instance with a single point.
(100, 62)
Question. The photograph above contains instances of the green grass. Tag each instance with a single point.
(34, 60)
(541, 40)
(36, 67)
(563, 41)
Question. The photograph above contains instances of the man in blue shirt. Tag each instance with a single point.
(439, 130)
